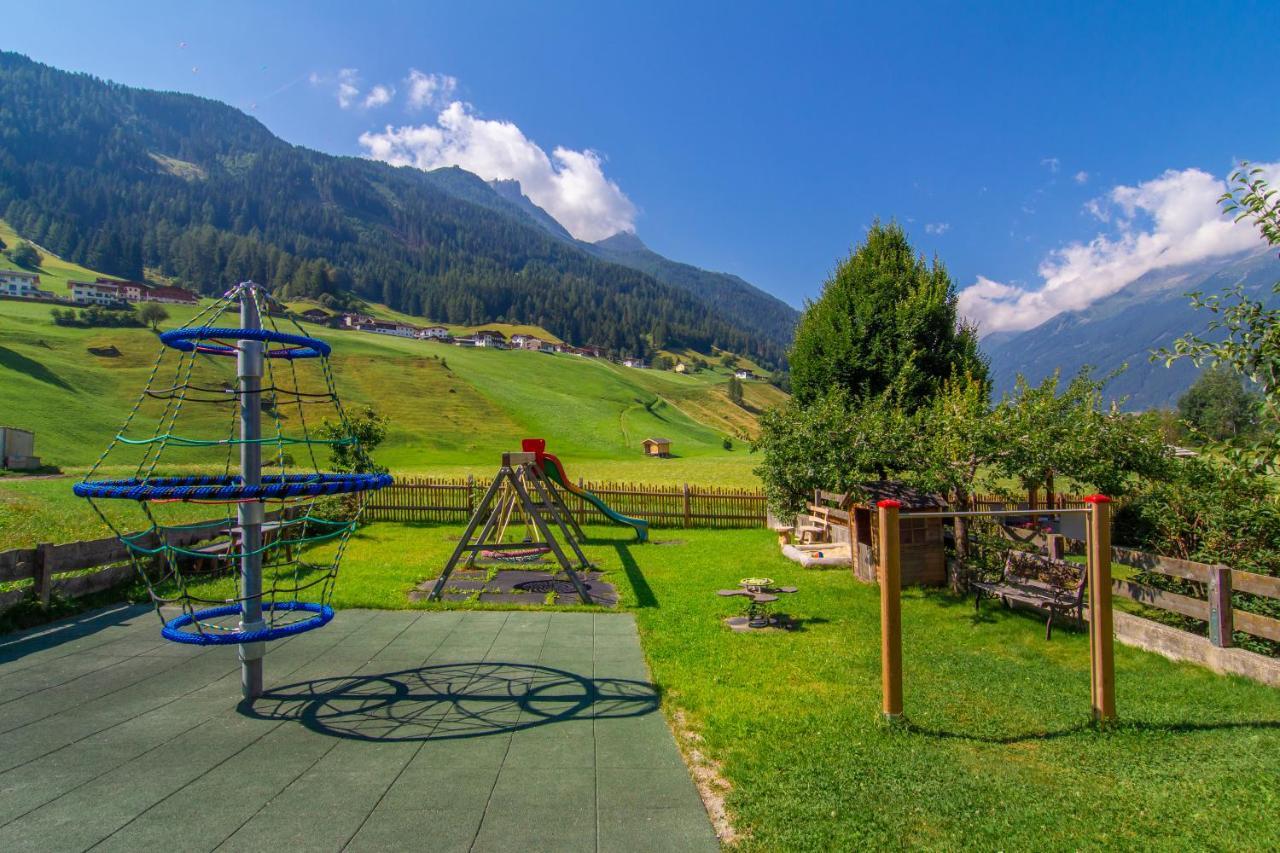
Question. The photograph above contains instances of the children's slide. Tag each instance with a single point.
(551, 466)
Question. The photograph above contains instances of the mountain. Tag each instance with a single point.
(512, 192)
(737, 300)
(744, 303)
(128, 180)
(1125, 328)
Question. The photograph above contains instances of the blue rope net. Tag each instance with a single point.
(170, 487)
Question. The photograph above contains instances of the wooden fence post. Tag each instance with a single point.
(1102, 665)
(1055, 546)
(890, 611)
(43, 573)
(471, 495)
(1221, 617)
(688, 508)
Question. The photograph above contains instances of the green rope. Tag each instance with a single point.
(184, 441)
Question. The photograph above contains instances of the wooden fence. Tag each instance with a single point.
(454, 500)
(43, 564)
(1212, 602)
(983, 503)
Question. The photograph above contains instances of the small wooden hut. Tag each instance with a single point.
(924, 558)
(657, 447)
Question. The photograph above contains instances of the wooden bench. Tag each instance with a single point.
(827, 510)
(1055, 585)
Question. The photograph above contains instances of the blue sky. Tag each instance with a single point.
(1043, 151)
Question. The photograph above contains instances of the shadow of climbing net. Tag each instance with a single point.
(451, 700)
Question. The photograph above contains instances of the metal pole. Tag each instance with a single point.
(250, 514)
(1101, 644)
(890, 611)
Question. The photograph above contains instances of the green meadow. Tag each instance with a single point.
(452, 411)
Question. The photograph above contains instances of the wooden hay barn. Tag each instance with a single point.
(660, 447)
(924, 558)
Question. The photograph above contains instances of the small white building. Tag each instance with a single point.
(633, 362)
(96, 293)
(743, 373)
(20, 283)
(438, 333)
(382, 327)
(491, 339)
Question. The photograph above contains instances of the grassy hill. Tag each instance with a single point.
(54, 271)
(450, 408)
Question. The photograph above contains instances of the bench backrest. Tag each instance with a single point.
(1060, 574)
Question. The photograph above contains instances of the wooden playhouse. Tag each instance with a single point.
(924, 557)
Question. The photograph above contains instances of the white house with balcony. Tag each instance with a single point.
(96, 293)
(22, 283)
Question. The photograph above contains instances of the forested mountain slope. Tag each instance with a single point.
(1126, 327)
(123, 179)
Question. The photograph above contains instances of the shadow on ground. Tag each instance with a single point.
(644, 592)
(20, 363)
(451, 700)
(1124, 726)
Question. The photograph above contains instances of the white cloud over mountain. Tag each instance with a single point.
(568, 184)
(1168, 221)
(429, 90)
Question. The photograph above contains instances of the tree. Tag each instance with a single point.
(829, 444)
(153, 314)
(1047, 430)
(959, 436)
(1218, 406)
(735, 390)
(369, 429)
(26, 255)
(1244, 334)
(886, 322)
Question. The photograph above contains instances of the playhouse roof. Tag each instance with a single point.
(911, 498)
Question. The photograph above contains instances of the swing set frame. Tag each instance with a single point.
(1102, 672)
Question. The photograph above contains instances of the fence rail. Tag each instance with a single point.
(430, 499)
(44, 564)
(1214, 583)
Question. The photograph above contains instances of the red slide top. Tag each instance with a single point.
(537, 446)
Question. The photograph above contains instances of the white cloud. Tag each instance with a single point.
(1081, 177)
(379, 96)
(570, 185)
(1181, 223)
(348, 90)
(1052, 164)
(429, 90)
(938, 228)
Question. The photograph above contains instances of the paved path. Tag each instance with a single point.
(431, 731)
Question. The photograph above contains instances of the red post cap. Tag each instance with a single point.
(1097, 499)
(890, 502)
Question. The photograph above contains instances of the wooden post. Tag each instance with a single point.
(43, 573)
(1055, 546)
(1102, 665)
(688, 508)
(1221, 617)
(890, 611)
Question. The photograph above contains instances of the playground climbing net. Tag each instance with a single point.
(194, 446)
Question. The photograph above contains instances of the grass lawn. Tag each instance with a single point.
(452, 412)
(998, 753)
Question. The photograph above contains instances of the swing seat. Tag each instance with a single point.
(523, 555)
